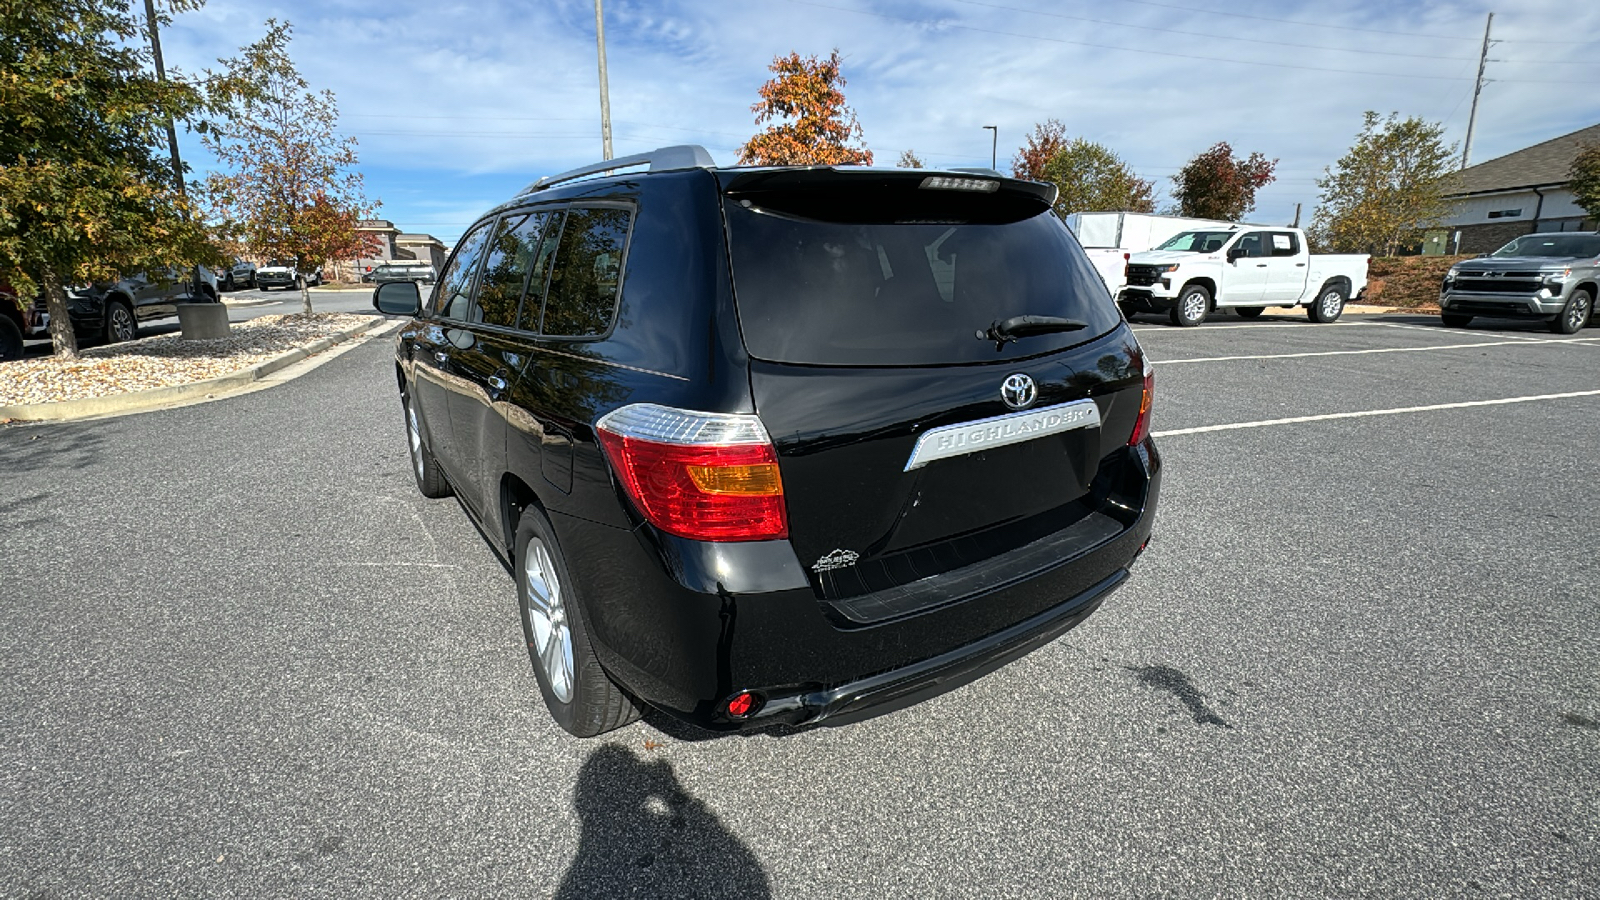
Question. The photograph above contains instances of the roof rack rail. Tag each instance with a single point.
(681, 156)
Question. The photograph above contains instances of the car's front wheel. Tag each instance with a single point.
(227, 283)
(1575, 315)
(120, 323)
(1193, 304)
(430, 480)
(581, 697)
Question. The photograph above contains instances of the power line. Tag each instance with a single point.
(1302, 23)
(1224, 37)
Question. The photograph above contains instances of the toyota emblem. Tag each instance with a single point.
(1018, 391)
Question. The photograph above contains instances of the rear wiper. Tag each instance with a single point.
(1003, 331)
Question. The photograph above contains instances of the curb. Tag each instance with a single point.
(157, 398)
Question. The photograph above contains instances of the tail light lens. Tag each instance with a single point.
(1141, 425)
(703, 476)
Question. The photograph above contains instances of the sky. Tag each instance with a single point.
(457, 105)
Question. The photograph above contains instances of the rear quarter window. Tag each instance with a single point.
(587, 275)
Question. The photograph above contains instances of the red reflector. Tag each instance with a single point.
(742, 705)
(1141, 425)
(728, 492)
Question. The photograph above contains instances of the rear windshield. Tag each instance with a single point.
(905, 293)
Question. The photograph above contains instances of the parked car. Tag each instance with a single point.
(780, 445)
(1243, 267)
(14, 323)
(1111, 238)
(422, 274)
(240, 274)
(1553, 277)
(113, 312)
(281, 273)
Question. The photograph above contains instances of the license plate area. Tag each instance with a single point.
(1013, 428)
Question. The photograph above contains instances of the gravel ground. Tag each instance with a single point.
(163, 361)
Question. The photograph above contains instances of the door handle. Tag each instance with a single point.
(496, 383)
(1299, 265)
(440, 356)
(1261, 265)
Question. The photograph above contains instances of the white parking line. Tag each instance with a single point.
(1373, 412)
(1523, 342)
(1440, 329)
(1176, 330)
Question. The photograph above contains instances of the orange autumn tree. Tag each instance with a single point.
(810, 123)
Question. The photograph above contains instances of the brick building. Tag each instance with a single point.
(1518, 194)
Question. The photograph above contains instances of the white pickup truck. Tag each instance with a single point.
(1243, 267)
(1110, 238)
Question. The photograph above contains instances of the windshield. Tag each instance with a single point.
(905, 293)
(1555, 246)
(1196, 241)
(281, 264)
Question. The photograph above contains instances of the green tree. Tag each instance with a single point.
(87, 191)
(1091, 178)
(288, 188)
(1216, 185)
(1387, 190)
(1585, 183)
(811, 125)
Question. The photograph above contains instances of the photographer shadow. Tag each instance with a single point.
(644, 836)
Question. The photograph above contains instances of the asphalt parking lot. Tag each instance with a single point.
(243, 657)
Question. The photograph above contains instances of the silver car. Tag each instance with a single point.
(1553, 277)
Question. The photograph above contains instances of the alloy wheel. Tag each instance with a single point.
(122, 327)
(1194, 305)
(1578, 315)
(1331, 304)
(547, 619)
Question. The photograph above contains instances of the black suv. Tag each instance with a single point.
(780, 445)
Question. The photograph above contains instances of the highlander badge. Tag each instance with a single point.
(1018, 391)
(838, 559)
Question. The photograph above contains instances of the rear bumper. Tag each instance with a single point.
(685, 625)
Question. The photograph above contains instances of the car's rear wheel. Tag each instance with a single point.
(1192, 306)
(430, 480)
(581, 697)
(120, 323)
(1328, 307)
(10, 340)
(1250, 312)
(1452, 320)
(1575, 315)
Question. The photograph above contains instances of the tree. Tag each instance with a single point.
(812, 126)
(1092, 178)
(1049, 138)
(288, 189)
(909, 160)
(1585, 182)
(87, 191)
(1388, 189)
(1215, 185)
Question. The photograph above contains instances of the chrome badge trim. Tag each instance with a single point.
(1018, 391)
(971, 437)
(838, 559)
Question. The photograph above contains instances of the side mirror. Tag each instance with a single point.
(397, 298)
(1235, 254)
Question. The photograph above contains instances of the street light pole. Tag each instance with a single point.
(161, 76)
(994, 147)
(605, 91)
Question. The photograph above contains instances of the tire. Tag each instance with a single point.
(227, 284)
(120, 322)
(430, 478)
(209, 295)
(581, 697)
(1329, 306)
(1575, 315)
(1128, 312)
(1194, 302)
(1250, 312)
(10, 340)
(1452, 320)
(251, 283)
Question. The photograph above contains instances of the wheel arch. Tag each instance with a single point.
(1208, 284)
(1342, 281)
(515, 498)
(1591, 286)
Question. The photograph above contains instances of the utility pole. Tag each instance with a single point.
(1472, 120)
(605, 91)
(161, 76)
(994, 148)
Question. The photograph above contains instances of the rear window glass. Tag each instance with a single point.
(897, 293)
(588, 270)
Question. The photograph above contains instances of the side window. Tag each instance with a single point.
(1250, 245)
(533, 306)
(454, 298)
(1284, 243)
(587, 273)
(505, 269)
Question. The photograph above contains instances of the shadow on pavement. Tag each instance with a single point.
(644, 836)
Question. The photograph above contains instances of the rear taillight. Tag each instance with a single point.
(1141, 425)
(703, 476)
